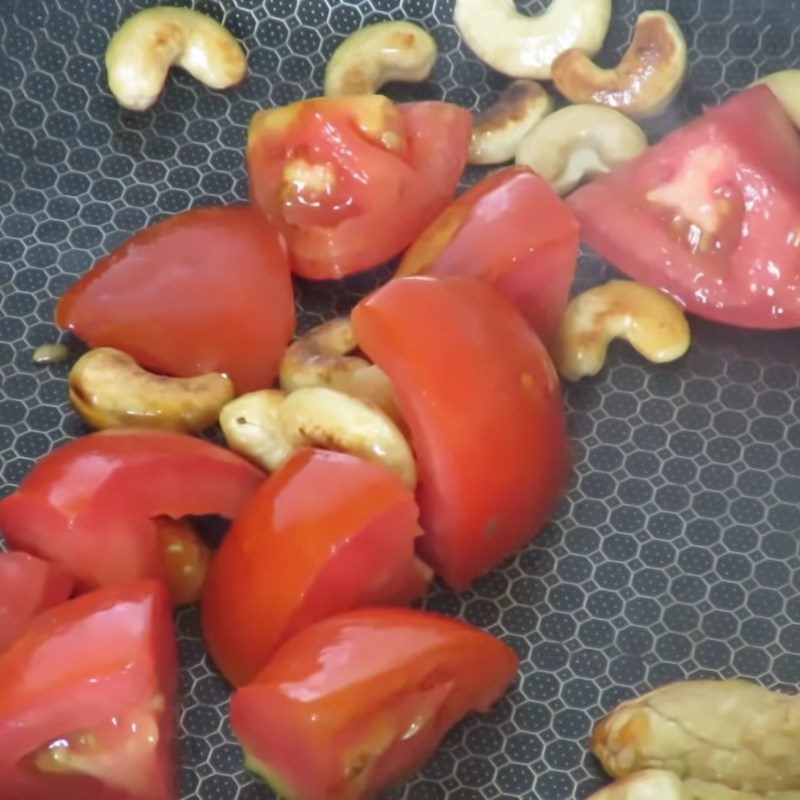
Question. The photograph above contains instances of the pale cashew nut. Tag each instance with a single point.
(785, 86)
(653, 324)
(579, 142)
(141, 52)
(498, 131)
(378, 54)
(110, 390)
(269, 425)
(524, 46)
(46, 354)
(322, 357)
(645, 81)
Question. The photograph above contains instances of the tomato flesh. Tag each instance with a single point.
(709, 214)
(351, 181)
(208, 290)
(90, 505)
(28, 586)
(87, 700)
(359, 701)
(513, 231)
(288, 562)
(483, 404)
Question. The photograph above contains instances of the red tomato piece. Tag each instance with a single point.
(208, 290)
(352, 181)
(326, 533)
(513, 231)
(709, 214)
(482, 400)
(359, 701)
(90, 505)
(87, 700)
(28, 586)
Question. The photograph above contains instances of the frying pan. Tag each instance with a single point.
(676, 553)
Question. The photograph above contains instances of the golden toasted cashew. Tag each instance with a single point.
(524, 46)
(647, 319)
(321, 358)
(110, 390)
(141, 52)
(785, 86)
(579, 142)
(268, 426)
(498, 131)
(645, 81)
(378, 54)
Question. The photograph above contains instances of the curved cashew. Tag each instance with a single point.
(378, 54)
(647, 319)
(580, 141)
(498, 131)
(321, 358)
(523, 46)
(110, 390)
(141, 52)
(785, 86)
(648, 77)
(269, 425)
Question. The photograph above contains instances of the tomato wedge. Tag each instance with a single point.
(359, 701)
(87, 700)
(513, 231)
(482, 400)
(709, 214)
(327, 532)
(28, 586)
(351, 181)
(208, 290)
(90, 505)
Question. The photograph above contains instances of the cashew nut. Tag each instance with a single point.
(498, 131)
(110, 390)
(645, 81)
(785, 86)
(46, 354)
(579, 142)
(652, 323)
(141, 52)
(321, 358)
(378, 54)
(269, 425)
(524, 46)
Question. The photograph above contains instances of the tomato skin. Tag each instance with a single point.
(747, 273)
(482, 400)
(369, 694)
(28, 586)
(513, 231)
(208, 290)
(372, 176)
(287, 562)
(79, 665)
(89, 505)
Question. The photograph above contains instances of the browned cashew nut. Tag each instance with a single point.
(525, 46)
(498, 131)
(269, 425)
(322, 357)
(647, 78)
(647, 319)
(378, 54)
(110, 390)
(141, 52)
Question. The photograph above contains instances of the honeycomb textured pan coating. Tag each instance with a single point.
(677, 551)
